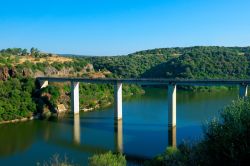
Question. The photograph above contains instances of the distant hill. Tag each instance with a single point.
(205, 63)
(191, 62)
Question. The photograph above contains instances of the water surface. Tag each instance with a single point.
(143, 132)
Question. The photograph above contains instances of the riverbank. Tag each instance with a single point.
(20, 120)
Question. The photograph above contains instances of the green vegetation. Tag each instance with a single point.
(204, 63)
(130, 66)
(180, 63)
(16, 98)
(46, 99)
(56, 160)
(101, 95)
(174, 63)
(226, 141)
(107, 159)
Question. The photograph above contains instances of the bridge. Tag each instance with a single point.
(170, 83)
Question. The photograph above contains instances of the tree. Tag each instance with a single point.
(24, 52)
(34, 51)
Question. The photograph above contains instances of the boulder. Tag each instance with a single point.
(4, 73)
(61, 108)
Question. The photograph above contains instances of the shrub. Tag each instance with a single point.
(107, 159)
(56, 160)
(226, 141)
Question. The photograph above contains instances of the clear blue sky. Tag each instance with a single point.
(113, 27)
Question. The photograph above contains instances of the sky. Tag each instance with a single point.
(119, 27)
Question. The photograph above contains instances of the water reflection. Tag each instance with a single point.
(76, 129)
(118, 133)
(16, 138)
(143, 132)
(172, 136)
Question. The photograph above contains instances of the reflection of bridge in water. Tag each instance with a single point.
(171, 84)
(77, 143)
(118, 136)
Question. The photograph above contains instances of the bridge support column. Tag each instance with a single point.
(172, 105)
(75, 97)
(118, 100)
(243, 91)
(172, 136)
(44, 84)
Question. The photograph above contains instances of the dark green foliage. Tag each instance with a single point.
(47, 97)
(128, 66)
(13, 51)
(107, 159)
(53, 92)
(16, 98)
(101, 95)
(226, 141)
(204, 63)
(180, 63)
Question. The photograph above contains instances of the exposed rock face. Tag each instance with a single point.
(27, 72)
(38, 74)
(66, 71)
(4, 73)
(88, 68)
(61, 108)
(49, 71)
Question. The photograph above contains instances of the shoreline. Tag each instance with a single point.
(20, 120)
(24, 119)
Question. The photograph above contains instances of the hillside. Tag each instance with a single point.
(21, 97)
(186, 63)
(19, 67)
(205, 63)
(130, 66)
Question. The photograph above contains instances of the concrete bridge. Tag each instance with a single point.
(170, 83)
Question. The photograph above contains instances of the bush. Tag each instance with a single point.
(16, 98)
(226, 141)
(107, 159)
(56, 160)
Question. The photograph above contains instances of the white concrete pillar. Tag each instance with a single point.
(172, 105)
(243, 91)
(75, 97)
(44, 84)
(118, 136)
(118, 100)
(77, 129)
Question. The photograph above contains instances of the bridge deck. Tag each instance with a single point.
(146, 81)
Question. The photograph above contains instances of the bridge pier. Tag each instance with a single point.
(44, 84)
(243, 91)
(172, 105)
(118, 100)
(75, 97)
(172, 136)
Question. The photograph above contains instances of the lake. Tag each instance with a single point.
(143, 132)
